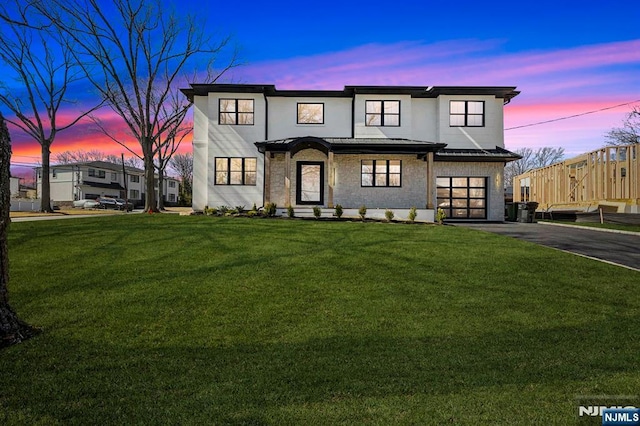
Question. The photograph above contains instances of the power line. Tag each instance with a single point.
(572, 116)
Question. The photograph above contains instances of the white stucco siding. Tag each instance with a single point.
(402, 131)
(487, 137)
(424, 119)
(283, 118)
(492, 171)
(229, 141)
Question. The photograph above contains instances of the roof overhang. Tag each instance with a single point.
(350, 145)
(474, 155)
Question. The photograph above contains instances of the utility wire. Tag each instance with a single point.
(572, 116)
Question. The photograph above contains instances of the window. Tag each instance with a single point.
(382, 113)
(172, 184)
(466, 113)
(236, 171)
(114, 177)
(54, 173)
(134, 194)
(381, 173)
(97, 173)
(236, 111)
(134, 178)
(463, 197)
(172, 197)
(311, 113)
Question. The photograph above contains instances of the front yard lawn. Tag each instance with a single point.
(166, 319)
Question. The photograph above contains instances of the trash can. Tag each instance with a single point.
(511, 212)
(531, 211)
(523, 213)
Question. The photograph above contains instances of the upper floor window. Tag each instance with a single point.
(236, 111)
(311, 113)
(114, 177)
(172, 184)
(97, 173)
(466, 113)
(134, 178)
(381, 173)
(382, 113)
(236, 171)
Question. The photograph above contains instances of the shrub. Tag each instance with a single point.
(270, 209)
(210, 211)
(290, 211)
(440, 216)
(338, 212)
(223, 210)
(239, 209)
(389, 215)
(362, 211)
(413, 213)
(317, 212)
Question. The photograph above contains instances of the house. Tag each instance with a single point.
(391, 147)
(93, 179)
(607, 178)
(14, 187)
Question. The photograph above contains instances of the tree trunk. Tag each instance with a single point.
(149, 180)
(12, 329)
(45, 195)
(160, 189)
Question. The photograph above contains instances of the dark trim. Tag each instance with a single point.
(236, 112)
(266, 117)
(353, 117)
(387, 173)
(228, 171)
(349, 146)
(502, 92)
(382, 113)
(497, 154)
(299, 165)
(466, 113)
(468, 198)
(308, 103)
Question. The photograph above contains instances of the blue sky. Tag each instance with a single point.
(566, 57)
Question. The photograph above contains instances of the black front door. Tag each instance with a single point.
(310, 183)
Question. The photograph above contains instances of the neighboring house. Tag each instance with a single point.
(383, 147)
(608, 177)
(14, 187)
(90, 180)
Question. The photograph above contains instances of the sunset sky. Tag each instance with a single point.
(566, 57)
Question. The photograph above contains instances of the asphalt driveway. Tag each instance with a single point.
(622, 249)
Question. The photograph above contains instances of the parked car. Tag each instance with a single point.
(108, 203)
(86, 203)
(123, 205)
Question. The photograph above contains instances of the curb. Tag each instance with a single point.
(589, 228)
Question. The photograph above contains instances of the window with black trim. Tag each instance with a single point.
(466, 113)
(463, 197)
(382, 113)
(236, 112)
(310, 113)
(235, 171)
(381, 173)
(97, 173)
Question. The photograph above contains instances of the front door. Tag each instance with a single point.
(310, 183)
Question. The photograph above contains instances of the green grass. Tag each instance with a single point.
(616, 226)
(164, 319)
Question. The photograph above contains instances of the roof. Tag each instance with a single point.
(497, 154)
(503, 92)
(350, 145)
(112, 185)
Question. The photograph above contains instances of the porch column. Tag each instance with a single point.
(430, 180)
(332, 180)
(287, 179)
(267, 177)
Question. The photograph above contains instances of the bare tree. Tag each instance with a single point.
(81, 156)
(531, 159)
(141, 52)
(12, 329)
(45, 82)
(182, 164)
(629, 133)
